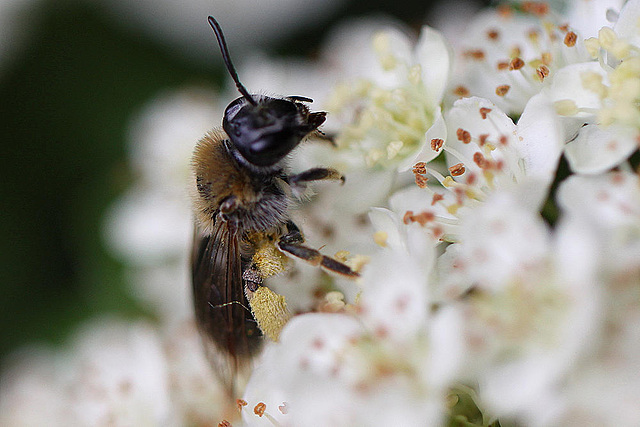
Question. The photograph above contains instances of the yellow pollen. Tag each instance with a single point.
(593, 82)
(270, 311)
(380, 238)
(566, 107)
(415, 74)
(593, 47)
(606, 37)
(394, 148)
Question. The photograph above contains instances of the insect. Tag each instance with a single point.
(242, 204)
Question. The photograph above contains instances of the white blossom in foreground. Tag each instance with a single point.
(530, 305)
(386, 360)
(602, 387)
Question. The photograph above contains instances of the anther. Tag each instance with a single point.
(240, 403)
(503, 65)
(542, 72)
(420, 167)
(502, 90)
(493, 34)
(476, 54)
(421, 181)
(461, 91)
(516, 64)
(484, 111)
(570, 39)
(259, 409)
(436, 198)
(436, 144)
(463, 136)
(482, 139)
(457, 169)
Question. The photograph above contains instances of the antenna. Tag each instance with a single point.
(227, 60)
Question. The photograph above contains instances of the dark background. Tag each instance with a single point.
(66, 98)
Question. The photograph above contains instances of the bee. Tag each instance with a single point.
(242, 201)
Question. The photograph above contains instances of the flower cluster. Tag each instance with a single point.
(500, 283)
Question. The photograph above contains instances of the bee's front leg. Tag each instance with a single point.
(291, 243)
(299, 181)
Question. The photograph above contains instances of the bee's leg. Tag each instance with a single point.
(291, 243)
(325, 137)
(314, 174)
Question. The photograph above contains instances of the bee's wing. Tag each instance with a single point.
(230, 333)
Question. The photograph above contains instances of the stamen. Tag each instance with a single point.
(420, 167)
(284, 410)
(502, 90)
(503, 65)
(542, 72)
(259, 409)
(463, 136)
(436, 144)
(457, 169)
(570, 39)
(493, 34)
(461, 91)
(535, 8)
(484, 111)
(421, 181)
(475, 54)
(516, 64)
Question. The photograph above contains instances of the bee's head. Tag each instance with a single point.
(261, 128)
(268, 130)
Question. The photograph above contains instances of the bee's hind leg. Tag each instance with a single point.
(292, 244)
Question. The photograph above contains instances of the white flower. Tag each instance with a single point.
(390, 361)
(599, 100)
(389, 110)
(113, 373)
(602, 386)
(507, 56)
(531, 305)
(485, 152)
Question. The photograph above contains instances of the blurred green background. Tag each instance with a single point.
(68, 93)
